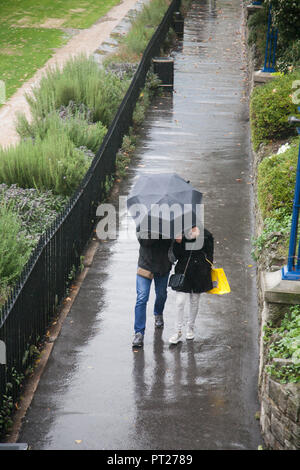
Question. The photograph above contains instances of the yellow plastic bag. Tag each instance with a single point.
(218, 277)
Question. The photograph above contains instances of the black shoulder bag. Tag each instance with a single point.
(176, 281)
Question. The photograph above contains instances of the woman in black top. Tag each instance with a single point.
(196, 263)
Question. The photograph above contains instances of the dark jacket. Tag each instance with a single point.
(153, 255)
(198, 273)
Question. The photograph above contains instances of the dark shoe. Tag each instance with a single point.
(138, 340)
(159, 321)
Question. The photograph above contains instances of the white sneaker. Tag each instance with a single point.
(190, 333)
(176, 338)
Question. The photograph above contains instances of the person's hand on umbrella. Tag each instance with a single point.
(194, 233)
(178, 238)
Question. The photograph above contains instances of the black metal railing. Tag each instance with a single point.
(44, 281)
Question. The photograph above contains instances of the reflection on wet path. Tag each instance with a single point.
(199, 394)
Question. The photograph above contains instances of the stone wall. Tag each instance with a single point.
(280, 412)
(280, 403)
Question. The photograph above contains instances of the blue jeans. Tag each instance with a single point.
(143, 290)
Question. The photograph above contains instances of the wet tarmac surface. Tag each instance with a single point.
(96, 392)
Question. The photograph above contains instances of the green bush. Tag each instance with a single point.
(36, 210)
(52, 163)
(289, 58)
(24, 216)
(14, 248)
(271, 104)
(82, 82)
(283, 342)
(276, 181)
(137, 39)
(152, 13)
(75, 126)
(276, 229)
(286, 17)
(143, 26)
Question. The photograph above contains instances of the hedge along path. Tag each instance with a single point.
(86, 41)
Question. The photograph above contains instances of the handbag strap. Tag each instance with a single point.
(209, 262)
(187, 263)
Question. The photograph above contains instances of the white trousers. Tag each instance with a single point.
(181, 298)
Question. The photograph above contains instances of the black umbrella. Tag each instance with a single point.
(164, 205)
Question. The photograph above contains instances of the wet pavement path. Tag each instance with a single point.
(200, 394)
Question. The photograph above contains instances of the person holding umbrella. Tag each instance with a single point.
(153, 264)
(158, 204)
(196, 266)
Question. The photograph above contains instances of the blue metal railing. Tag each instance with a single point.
(292, 270)
(271, 46)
